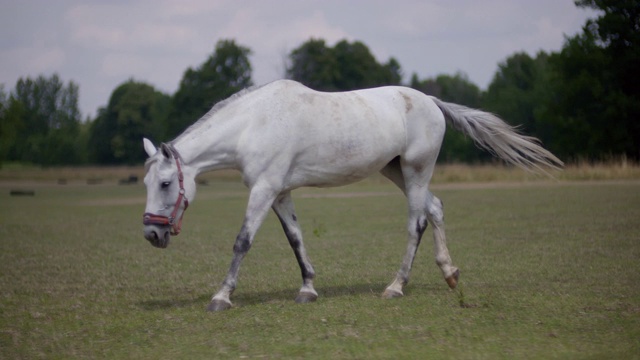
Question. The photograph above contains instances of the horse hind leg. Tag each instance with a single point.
(417, 222)
(424, 208)
(416, 226)
(435, 215)
(284, 209)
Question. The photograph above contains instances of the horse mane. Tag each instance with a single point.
(217, 107)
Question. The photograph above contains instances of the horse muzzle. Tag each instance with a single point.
(158, 236)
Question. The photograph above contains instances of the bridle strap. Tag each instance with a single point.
(161, 220)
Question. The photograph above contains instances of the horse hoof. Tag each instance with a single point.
(218, 305)
(306, 297)
(391, 294)
(452, 280)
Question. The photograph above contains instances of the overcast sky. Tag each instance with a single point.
(100, 44)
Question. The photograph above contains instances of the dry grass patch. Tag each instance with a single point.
(617, 169)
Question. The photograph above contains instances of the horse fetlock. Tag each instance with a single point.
(450, 273)
(452, 280)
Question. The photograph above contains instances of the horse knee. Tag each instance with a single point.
(435, 211)
(442, 260)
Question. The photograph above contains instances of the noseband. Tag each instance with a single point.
(161, 220)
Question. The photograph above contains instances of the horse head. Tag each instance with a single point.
(170, 186)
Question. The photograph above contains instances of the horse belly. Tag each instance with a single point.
(346, 155)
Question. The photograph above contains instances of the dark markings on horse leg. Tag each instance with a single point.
(243, 242)
(306, 273)
(421, 226)
(295, 243)
(240, 249)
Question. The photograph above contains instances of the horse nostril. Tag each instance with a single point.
(158, 238)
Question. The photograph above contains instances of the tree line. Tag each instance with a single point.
(582, 102)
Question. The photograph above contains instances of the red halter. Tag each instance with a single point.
(153, 219)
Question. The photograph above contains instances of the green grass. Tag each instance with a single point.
(547, 271)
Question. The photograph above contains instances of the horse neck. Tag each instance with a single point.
(211, 146)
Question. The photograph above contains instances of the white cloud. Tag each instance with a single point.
(35, 59)
(168, 9)
(123, 65)
(161, 35)
(317, 26)
(134, 29)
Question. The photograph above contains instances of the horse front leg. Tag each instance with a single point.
(284, 209)
(260, 200)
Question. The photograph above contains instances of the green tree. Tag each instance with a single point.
(314, 65)
(579, 116)
(346, 66)
(9, 124)
(357, 68)
(391, 73)
(135, 110)
(618, 31)
(595, 82)
(517, 92)
(455, 88)
(224, 73)
(43, 116)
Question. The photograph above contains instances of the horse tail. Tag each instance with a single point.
(491, 133)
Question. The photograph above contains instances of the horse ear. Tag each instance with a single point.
(149, 147)
(165, 151)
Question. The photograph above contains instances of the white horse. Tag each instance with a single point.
(283, 135)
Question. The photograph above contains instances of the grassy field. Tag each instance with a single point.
(548, 270)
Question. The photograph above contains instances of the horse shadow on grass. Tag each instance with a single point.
(252, 298)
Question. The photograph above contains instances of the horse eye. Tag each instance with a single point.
(165, 184)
